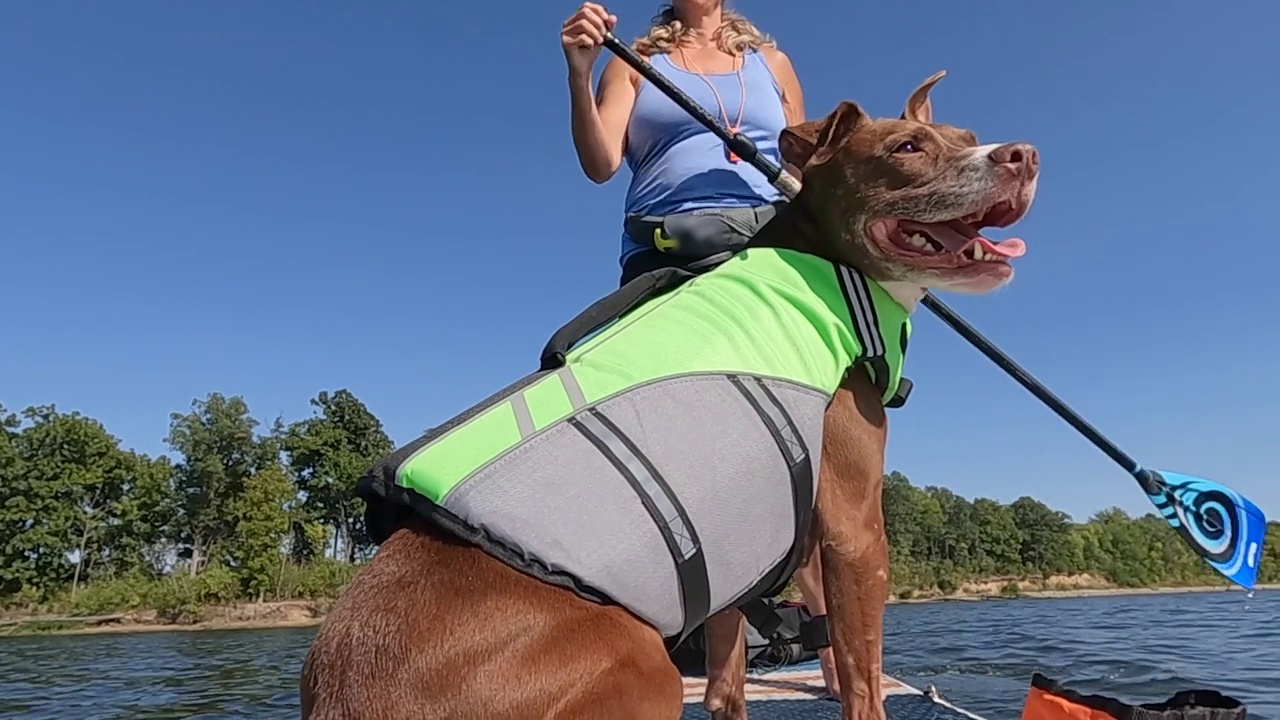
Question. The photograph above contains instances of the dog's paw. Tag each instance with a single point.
(726, 705)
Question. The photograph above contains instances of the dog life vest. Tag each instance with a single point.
(668, 463)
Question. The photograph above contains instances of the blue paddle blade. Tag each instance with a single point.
(1221, 525)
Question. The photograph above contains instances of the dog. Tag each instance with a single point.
(488, 600)
(856, 579)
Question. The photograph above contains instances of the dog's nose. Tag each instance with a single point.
(1023, 155)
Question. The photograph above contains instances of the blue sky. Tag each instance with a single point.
(271, 199)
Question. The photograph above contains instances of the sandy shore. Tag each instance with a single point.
(245, 616)
(251, 616)
(112, 629)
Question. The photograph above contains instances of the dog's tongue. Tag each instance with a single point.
(958, 237)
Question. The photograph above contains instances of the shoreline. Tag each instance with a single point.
(1081, 592)
(299, 614)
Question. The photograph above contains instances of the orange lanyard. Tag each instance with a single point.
(724, 114)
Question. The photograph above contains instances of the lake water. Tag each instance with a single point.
(979, 654)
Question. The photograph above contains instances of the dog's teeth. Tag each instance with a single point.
(977, 252)
(918, 240)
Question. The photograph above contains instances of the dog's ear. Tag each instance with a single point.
(918, 106)
(799, 143)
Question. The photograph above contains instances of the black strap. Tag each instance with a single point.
(814, 633)
(609, 308)
(762, 617)
(663, 507)
(799, 466)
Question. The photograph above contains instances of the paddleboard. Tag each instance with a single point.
(797, 693)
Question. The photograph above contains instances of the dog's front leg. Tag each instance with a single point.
(855, 553)
(726, 697)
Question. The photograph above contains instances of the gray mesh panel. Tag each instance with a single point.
(808, 410)
(724, 466)
(556, 498)
(559, 500)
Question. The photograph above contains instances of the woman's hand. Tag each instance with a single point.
(582, 36)
(827, 661)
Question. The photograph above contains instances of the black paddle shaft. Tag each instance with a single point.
(742, 146)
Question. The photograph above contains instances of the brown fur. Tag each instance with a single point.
(436, 628)
(433, 626)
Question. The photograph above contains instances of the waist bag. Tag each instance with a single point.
(708, 236)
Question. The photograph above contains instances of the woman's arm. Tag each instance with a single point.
(600, 123)
(785, 74)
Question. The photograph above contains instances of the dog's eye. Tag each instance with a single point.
(907, 147)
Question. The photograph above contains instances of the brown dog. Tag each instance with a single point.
(435, 627)
(903, 192)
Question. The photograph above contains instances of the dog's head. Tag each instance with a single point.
(905, 200)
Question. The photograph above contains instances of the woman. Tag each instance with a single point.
(733, 70)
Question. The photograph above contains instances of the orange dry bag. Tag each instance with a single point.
(1050, 701)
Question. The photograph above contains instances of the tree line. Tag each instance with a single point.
(239, 511)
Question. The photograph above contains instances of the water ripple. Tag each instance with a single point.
(979, 654)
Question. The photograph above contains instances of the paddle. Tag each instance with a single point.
(1221, 526)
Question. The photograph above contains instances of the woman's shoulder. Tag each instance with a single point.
(617, 68)
(775, 58)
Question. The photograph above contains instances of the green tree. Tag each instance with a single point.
(235, 514)
(67, 492)
(998, 550)
(261, 523)
(141, 539)
(957, 537)
(220, 453)
(1269, 567)
(327, 453)
(24, 532)
(1045, 534)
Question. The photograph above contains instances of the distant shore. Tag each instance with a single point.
(296, 614)
(241, 616)
(1077, 593)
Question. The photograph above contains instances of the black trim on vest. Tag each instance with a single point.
(799, 465)
(866, 325)
(393, 505)
(388, 505)
(665, 509)
(380, 481)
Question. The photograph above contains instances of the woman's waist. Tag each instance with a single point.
(672, 204)
(668, 193)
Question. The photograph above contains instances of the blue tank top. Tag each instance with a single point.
(677, 164)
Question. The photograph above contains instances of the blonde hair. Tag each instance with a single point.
(735, 36)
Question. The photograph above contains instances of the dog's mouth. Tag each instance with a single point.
(957, 239)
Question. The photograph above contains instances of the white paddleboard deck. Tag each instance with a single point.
(797, 693)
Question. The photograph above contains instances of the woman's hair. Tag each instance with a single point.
(736, 35)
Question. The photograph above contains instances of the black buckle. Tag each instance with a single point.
(762, 617)
(901, 394)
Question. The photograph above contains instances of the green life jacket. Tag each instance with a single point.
(668, 463)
